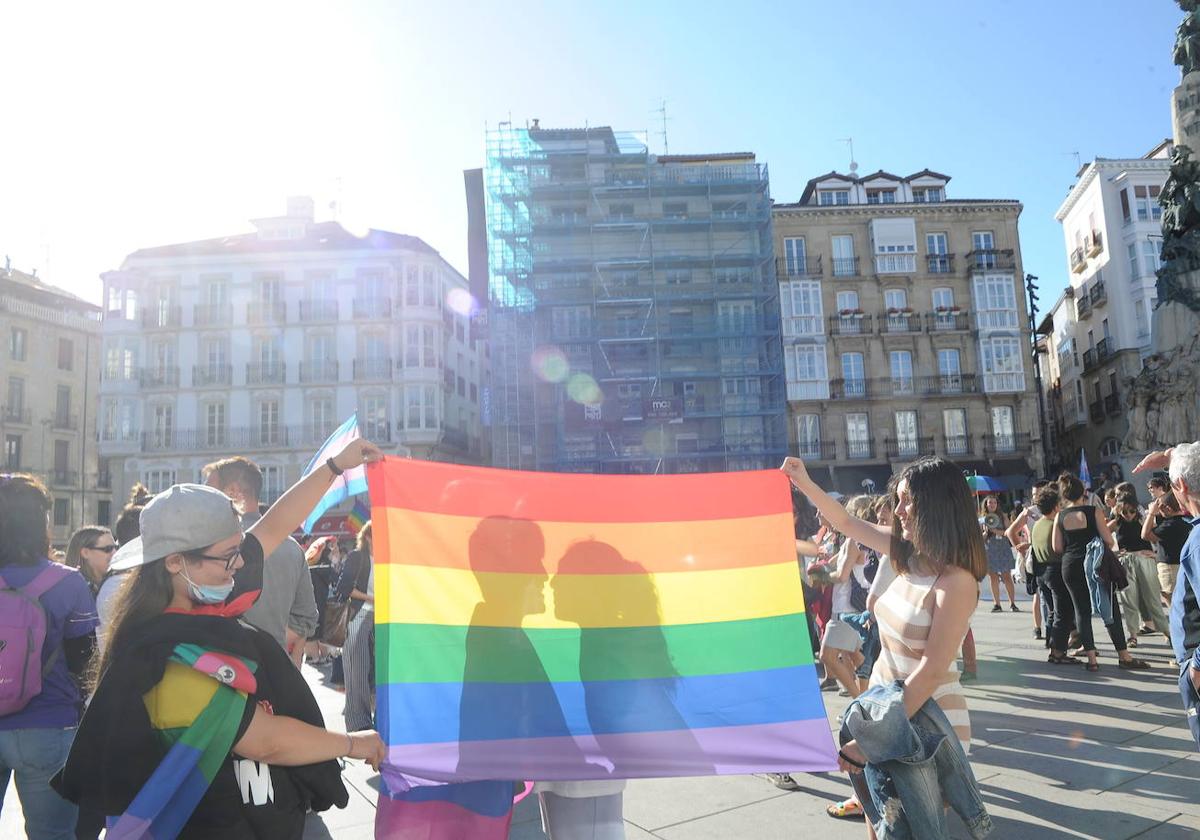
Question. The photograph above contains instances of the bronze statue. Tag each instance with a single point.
(1187, 38)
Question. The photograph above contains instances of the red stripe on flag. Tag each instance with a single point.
(563, 497)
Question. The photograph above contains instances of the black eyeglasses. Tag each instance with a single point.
(107, 549)
(229, 560)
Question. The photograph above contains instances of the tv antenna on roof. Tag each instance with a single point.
(849, 141)
(661, 110)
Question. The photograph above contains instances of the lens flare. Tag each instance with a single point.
(550, 364)
(583, 389)
(461, 302)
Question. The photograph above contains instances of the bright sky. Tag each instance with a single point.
(130, 124)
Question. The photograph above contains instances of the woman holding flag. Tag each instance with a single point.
(936, 548)
(200, 726)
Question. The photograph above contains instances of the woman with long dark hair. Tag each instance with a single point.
(993, 524)
(936, 549)
(1076, 525)
(36, 727)
(200, 725)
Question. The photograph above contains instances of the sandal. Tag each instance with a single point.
(1134, 664)
(1061, 659)
(847, 809)
(1131, 642)
(1093, 666)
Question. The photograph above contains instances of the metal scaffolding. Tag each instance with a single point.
(633, 306)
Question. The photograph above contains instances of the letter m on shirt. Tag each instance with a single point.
(254, 781)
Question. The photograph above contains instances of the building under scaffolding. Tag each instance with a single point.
(633, 309)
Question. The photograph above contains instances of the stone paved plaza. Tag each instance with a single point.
(1058, 753)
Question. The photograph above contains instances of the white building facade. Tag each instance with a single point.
(261, 344)
(1100, 331)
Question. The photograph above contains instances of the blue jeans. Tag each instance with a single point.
(34, 755)
(1191, 701)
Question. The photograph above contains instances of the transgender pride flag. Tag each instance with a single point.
(350, 483)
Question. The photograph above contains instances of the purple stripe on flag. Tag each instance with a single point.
(802, 745)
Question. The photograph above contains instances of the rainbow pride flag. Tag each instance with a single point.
(571, 627)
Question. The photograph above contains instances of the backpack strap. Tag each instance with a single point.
(45, 580)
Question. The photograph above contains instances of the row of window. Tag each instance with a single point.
(887, 195)
(802, 309)
(906, 429)
(15, 407)
(890, 259)
(18, 348)
(808, 375)
(15, 462)
(415, 288)
(1144, 205)
(421, 408)
(572, 214)
(421, 348)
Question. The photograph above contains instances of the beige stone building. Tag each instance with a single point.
(905, 330)
(50, 372)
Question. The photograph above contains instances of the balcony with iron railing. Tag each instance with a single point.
(266, 312)
(948, 384)
(939, 263)
(956, 445)
(845, 267)
(1094, 243)
(18, 415)
(64, 421)
(212, 314)
(1089, 359)
(318, 310)
(854, 324)
(860, 450)
(372, 308)
(796, 267)
(850, 389)
(894, 321)
(1007, 444)
(1096, 411)
(991, 259)
(63, 478)
(207, 376)
(268, 373)
(1097, 294)
(319, 370)
(1112, 405)
(1083, 307)
(372, 369)
(264, 436)
(909, 447)
(161, 316)
(1078, 261)
(816, 450)
(948, 321)
(159, 377)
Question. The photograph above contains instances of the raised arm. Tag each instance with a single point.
(1148, 523)
(861, 531)
(298, 502)
(1106, 534)
(1015, 528)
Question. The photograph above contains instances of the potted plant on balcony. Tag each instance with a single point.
(908, 310)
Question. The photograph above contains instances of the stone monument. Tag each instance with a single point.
(1164, 406)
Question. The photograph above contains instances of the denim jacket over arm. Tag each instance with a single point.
(1100, 591)
(914, 766)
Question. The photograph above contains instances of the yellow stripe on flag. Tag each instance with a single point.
(426, 595)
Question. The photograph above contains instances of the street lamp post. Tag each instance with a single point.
(1031, 290)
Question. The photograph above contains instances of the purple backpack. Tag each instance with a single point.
(22, 637)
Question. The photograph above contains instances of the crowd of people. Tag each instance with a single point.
(182, 629)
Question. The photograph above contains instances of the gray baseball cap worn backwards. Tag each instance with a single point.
(185, 517)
